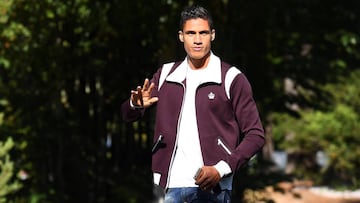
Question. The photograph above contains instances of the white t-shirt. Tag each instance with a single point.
(188, 158)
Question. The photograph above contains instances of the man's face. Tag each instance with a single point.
(197, 36)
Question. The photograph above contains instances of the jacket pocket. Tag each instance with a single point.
(157, 144)
(223, 146)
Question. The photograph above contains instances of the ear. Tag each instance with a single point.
(212, 34)
(181, 36)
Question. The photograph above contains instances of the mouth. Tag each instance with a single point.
(197, 48)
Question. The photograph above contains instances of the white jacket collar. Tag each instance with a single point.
(213, 71)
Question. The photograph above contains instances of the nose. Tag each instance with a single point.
(197, 39)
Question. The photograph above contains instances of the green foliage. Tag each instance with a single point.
(13, 34)
(63, 68)
(7, 171)
(334, 131)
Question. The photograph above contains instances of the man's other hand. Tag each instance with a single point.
(208, 178)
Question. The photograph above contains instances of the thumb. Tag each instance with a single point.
(152, 101)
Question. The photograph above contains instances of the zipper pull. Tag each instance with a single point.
(159, 140)
(220, 143)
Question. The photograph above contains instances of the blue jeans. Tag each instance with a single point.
(196, 195)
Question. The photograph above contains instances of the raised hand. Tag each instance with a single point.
(141, 97)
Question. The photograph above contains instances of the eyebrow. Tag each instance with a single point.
(201, 32)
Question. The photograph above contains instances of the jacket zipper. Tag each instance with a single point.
(176, 141)
(221, 144)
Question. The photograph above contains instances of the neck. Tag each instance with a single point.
(196, 64)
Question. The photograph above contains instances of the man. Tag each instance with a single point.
(207, 124)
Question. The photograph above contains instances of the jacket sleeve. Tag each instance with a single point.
(247, 116)
(131, 114)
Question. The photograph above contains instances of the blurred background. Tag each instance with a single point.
(66, 67)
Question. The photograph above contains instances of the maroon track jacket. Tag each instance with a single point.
(229, 125)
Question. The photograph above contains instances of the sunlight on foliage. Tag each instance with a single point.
(334, 131)
(7, 184)
(5, 6)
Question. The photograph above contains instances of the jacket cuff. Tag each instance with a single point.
(135, 106)
(223, 168)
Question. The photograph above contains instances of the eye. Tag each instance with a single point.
(190, 33)
(205, 32)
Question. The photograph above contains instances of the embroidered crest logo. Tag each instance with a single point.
(211, 95)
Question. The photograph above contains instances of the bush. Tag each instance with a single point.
(334, 131)
(7, 185)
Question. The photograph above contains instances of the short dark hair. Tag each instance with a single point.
(193, 12)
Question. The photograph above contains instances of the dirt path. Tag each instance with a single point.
(306, 196)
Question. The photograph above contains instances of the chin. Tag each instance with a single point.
(197, 56)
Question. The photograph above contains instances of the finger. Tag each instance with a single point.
(200, 177)
(153, 100)
(204, 180)
(138, 89)
(151, 87)
(139, 94)
(146, 84)
(206, 187)
(206, 183)
(134, 94)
